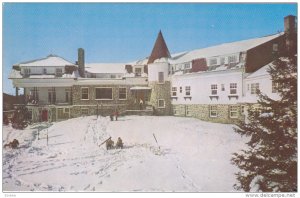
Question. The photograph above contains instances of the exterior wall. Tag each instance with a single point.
(265, 86)
(263, 54)
(161, 91)
(200, 84)
(154, 68)
(202, 112)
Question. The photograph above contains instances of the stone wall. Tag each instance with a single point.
(161, 91)
(202, 112)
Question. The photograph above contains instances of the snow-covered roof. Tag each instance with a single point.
(140, 88)
(15, 74)
(49, 61)
(107, 68)
(223, 49)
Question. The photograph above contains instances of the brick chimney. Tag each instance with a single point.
(290, 30)
(81, 62)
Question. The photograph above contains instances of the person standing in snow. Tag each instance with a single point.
(117, 114)
(141, 103)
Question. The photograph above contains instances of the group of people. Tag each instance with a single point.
(110, 144)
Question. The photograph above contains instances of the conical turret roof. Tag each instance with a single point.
(159, 50)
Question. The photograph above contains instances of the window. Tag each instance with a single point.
(222, 60)
(122, 94)
(104, 93)
(187, 66)
(67, 110)
(232, 59)
(254, 88)
(161, 77)
(213, 111)
(187, 90)
(214, 89)
(51, 95)
(275, 47)
(44, 71)
(29, 114)
(113, 76)
(34, 95)
(274, 87)
(161, 103)
(68, 94)
(138, 71)
(213, 61)
(84, 93)
(180, 89)
(85, 111)
(242, 109)
(233, 111)
(26, 71)
(248, 87)
(233, 88)
(58, 72)
(222, 87)
(174, 91)
(187, 111)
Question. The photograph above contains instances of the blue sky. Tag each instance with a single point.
(126, 32)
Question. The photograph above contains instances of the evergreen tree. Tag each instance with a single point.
(20, 118)
(269, 163)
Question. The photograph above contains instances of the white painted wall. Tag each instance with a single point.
(155, 68)
(200, 84)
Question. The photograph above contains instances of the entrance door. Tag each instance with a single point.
(141, 95)
(45, 115)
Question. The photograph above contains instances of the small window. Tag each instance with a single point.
(232, 59)
(213, 61)
(122, 94)
(233, 88)
(213, 111)
(58, 72)
(84, 93)
(233, 111)
(180, 89)
(26, 71)
(161, 103)
(222, 60)
(112, 76)
(187, 90)
(104, 93)
(214, 89)
(254, 88)
(174, 91)
(222, 87)
(44, 71)
(187, 66)
(187, 111)
(242, 109)
(275, 47)
(274, 87)
(161, 77)
(138, 71)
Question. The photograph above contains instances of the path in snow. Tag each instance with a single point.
(191, 156)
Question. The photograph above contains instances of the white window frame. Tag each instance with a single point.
(187, 66)
(112, 93)
(58, 73)
(233, 88)
(180, 89)
(174, 92)
(214, 89)
(233, 111)
(161, 81)
(232, 59)
(212, 109)
(222, 87)
(88, 93)
(123, 93)
(27, 71)
(158, 105)
(188, 90)
(254, 88)
(44, 71)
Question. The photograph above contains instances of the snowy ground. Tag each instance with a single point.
(191, 156)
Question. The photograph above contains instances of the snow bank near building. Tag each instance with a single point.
(189, 156)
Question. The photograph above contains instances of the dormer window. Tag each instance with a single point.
(232, 59)
(58, 72)
(213, 61)
(26, 71)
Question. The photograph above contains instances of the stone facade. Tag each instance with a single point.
(161, 91)
(202, 112)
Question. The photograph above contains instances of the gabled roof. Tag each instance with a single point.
(159, 50)
(224, 49)
(106, 68)
(49, 61)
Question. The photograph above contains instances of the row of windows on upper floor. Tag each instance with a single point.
(58, 72)
(253, 88)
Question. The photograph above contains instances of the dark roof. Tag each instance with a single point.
(159, 50)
